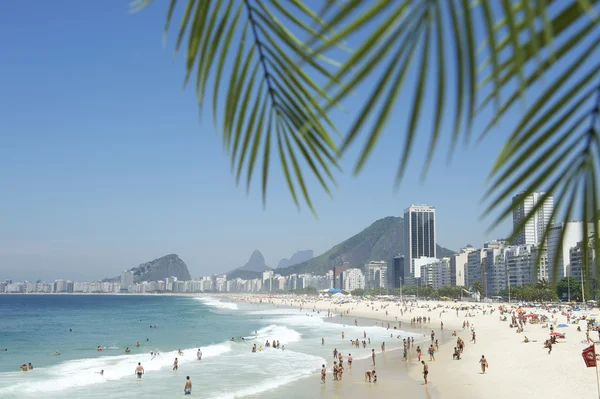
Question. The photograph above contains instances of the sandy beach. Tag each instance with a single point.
(516, 368)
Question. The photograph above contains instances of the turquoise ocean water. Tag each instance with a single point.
(34, 327)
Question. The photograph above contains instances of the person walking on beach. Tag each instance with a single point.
(419, 353)
(350, 361)
(431, 353)
(323, 374)
(425, 371)
(484, 364)
(473, 337)
(139, 370)
(383, 346)
(373, 356)
(188, 386)
(432, 336)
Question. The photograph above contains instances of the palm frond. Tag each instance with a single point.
(274, 92)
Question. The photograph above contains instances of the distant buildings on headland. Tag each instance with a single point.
(495, 267)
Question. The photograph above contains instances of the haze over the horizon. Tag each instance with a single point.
(105, 164)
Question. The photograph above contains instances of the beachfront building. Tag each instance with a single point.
(495, 271)
(353, 279)
(475, 261)
(396, 272)
(576, 264)
(435, 273)
(126, 280)
(267, 280)
(419, 237)
(520, 260)
(376, 274)
(573, 234)
(458, 266)
(534, 229)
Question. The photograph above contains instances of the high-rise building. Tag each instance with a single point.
(573, 234)
(126, 280)
(435, 273)
(534, 229)
(475, 269)
(376, 274)
(576, 260)
(458, 266)
(495, 271)
(396, 272)
(419, 236)
(353, 279)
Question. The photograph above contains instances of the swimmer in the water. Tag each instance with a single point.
(199, 354)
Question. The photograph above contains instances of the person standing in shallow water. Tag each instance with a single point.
(188, 386)
(139, 370)
(373, 356)
(323, 374)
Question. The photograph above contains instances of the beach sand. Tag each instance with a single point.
(516, 369)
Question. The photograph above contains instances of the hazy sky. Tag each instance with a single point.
(105, 164)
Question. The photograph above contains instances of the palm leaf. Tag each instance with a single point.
(267, 95)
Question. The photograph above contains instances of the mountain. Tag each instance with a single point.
(256, 263)
(159, 269)
(382, 240)
(298, 257)
(252, 269)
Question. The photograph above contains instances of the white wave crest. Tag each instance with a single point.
(215, 303)
(84, 372)
(282, 334)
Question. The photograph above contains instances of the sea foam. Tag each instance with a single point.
(215, 303)
(84, 372)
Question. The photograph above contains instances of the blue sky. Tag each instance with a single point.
(105, 164)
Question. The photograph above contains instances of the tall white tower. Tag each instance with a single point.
(533, 232)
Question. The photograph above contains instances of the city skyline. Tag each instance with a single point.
(95, 185)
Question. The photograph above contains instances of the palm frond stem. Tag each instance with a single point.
(261, 53)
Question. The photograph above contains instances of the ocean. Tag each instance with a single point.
(34, 327)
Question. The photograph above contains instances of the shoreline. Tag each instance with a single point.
(388, 364)
(515, 369)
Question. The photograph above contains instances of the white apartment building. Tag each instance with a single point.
(376, 274)
(435, 273)
(126, 280)
(458, 266)
(533, 231)
(353, 279)
(573, 234)
(421, 261)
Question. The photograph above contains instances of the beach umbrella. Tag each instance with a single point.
(556, 334)
(562, 326)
